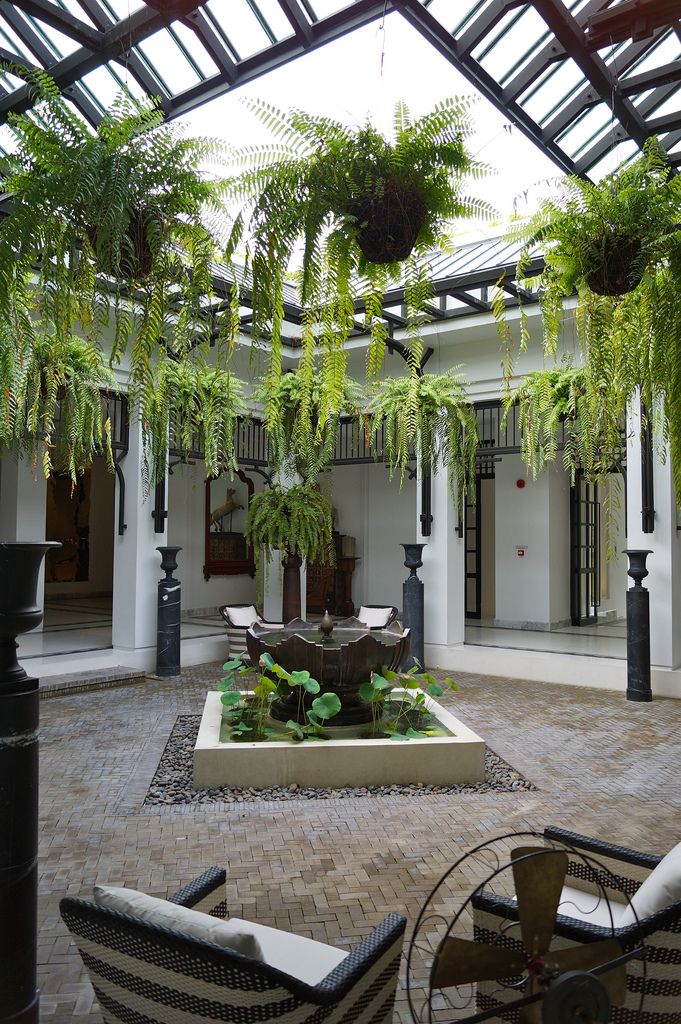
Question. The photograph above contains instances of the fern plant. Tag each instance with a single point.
(196, 405)
(562, 407)
(618, 245)
(113, 231)
(295, 521)
(303, 439)
(51, 404)
(364, 211)
(435, 423)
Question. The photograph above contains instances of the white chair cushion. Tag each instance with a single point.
(305, 959)
(590, 908)
(661, 888)
(374, 618)
(232, 934)
(243, 616)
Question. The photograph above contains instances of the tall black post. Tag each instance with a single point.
(638, 629)
(19, 612)
(169, 616)
(412, 603)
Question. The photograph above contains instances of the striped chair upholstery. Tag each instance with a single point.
(658, 980)
(143, 974)
(236, 635)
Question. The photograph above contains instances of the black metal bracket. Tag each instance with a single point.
(122, 525)
(160, 512)
(267, 477)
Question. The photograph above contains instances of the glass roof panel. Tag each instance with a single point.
(74, 8)
(247, 32)
(514, 34)
(666, 51)
(169, 62)
(323, 8)
(623, 152)
(587, 129)
(105, 84)
(465, 12)
(60, 44)
(552, 91)
(275, 18)
(198, 53)
(11, 41)
(121, 9)
(670, 106)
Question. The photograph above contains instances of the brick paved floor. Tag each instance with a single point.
(329, 869)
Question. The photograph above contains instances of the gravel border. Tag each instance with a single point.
(172, 781)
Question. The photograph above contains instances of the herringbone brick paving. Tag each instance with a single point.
(329, 869)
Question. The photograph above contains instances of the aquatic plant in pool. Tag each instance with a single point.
(398, 703)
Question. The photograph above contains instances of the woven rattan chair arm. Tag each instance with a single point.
(597, 846)
(388, 934)
(192, 893)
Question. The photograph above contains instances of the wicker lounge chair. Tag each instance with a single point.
(143, 972)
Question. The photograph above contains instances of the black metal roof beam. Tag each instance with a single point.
(650, 79)
(214, 46)
(113, 45)
(361, 13)
(588, 96)
(600, 148)
(519, 293)
(571, 36)
(470, 300)
(135, 65)
(483, 24)
(30, 37)
(60, 19)
(443, 41)
(298, 20)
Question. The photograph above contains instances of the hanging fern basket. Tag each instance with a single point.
(389, 222)
(136, 258)
(617, 271)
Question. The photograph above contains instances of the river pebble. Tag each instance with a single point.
(172, 782)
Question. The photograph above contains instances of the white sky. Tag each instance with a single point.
(345, 80)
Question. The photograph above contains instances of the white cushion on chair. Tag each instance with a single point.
(590, 908)
(305, 959)
(232, 934)
(374, 618)
(661, 888)
(243, 616)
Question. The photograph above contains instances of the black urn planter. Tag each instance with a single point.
(19, 710)
(412, 603)
(168, 622)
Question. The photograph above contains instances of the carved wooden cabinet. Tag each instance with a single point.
(227, 553)
(329, 587)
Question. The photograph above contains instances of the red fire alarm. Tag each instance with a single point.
(520, 484)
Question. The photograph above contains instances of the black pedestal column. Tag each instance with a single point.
(638, 628)
(412, 603)
(19, 612)
(169, 616)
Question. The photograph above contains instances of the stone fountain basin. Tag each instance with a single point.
(340, 662)
(437, 761)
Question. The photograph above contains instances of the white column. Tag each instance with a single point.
(664, 564)
(137, 563)
(23, 506)
(443, 569)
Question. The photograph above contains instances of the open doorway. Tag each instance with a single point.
(79, 575)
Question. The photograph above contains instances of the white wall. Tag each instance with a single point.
(532, 590)
(186, 527)
(381, 517)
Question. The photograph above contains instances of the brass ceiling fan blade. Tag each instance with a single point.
(539, 874)
(462, 961)
(588, 957)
